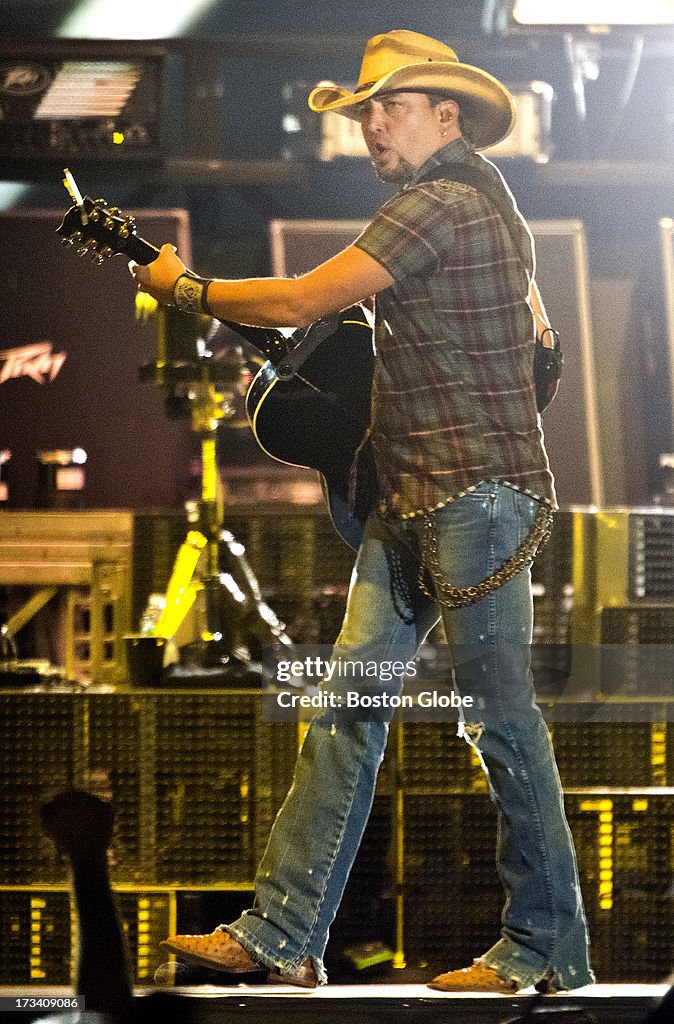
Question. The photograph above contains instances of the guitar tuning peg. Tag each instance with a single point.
(77, 237)
(81, 250)
(106, 252)
(93, 246)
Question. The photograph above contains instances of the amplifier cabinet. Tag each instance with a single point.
(621, 557)
(69, 368)
(572, 421)
(452, 900)
(195, 775)
(38, 934)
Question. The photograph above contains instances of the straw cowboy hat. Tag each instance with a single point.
(416, 63)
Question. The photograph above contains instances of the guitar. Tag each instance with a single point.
(317, 418)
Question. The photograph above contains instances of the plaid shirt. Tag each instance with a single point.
(453, 398)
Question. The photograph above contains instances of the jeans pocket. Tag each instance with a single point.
(526, 510)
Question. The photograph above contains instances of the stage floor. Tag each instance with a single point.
(379, 1004)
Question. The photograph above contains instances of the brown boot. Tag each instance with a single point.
(219, 951)
(476, 978)
(304, 977)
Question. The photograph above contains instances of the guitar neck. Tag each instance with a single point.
(268, 341)
(140, 250)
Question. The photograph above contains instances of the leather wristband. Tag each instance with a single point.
(189, 293)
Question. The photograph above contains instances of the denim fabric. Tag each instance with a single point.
(316, 835)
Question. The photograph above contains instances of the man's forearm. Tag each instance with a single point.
(347, 278)
(263, 302)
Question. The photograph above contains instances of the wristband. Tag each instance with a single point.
(189, 293)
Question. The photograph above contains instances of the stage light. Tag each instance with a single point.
(10, 193)
(595, 15)
(92, 19)
(593, 12)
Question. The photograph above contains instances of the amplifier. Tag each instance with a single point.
(38, 934)
(624, 843)
(69, 369)
(196, 778)
(339, 136)
(621, 557)
(572, 421)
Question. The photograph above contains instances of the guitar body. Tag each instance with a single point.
(318, 419)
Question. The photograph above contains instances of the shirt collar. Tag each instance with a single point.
(454, 152)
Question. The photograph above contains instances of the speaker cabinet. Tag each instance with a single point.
(71, 350)
(571, 423)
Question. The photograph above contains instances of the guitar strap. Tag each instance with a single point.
(310, 338)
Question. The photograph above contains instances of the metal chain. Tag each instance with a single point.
(400, 592)
(460, 597)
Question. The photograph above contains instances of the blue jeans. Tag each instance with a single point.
(316, 835)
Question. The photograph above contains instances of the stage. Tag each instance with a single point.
(362, 1004)
(377, 1004)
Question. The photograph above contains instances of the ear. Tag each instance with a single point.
(448, 112)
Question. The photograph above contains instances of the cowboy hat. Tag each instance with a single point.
(402, 60)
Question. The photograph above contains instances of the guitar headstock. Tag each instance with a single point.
(97, 230)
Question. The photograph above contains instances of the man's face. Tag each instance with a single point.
(402, 129)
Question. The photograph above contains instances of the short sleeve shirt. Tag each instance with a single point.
(453, 399)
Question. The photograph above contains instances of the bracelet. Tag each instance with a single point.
(190, 292)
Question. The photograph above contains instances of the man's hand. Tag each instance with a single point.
(159, 277)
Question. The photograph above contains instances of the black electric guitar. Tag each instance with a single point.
(315, 418)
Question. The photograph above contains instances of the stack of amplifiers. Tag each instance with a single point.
(196, 778)
(623, 573)
(452, 900)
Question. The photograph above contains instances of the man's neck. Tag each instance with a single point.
(454, 150)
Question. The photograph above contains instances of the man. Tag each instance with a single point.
(465, 484)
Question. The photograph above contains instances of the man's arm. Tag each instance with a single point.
(349, 277)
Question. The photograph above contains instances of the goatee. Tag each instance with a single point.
(399, 174)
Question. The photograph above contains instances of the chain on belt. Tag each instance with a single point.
(460, 597)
